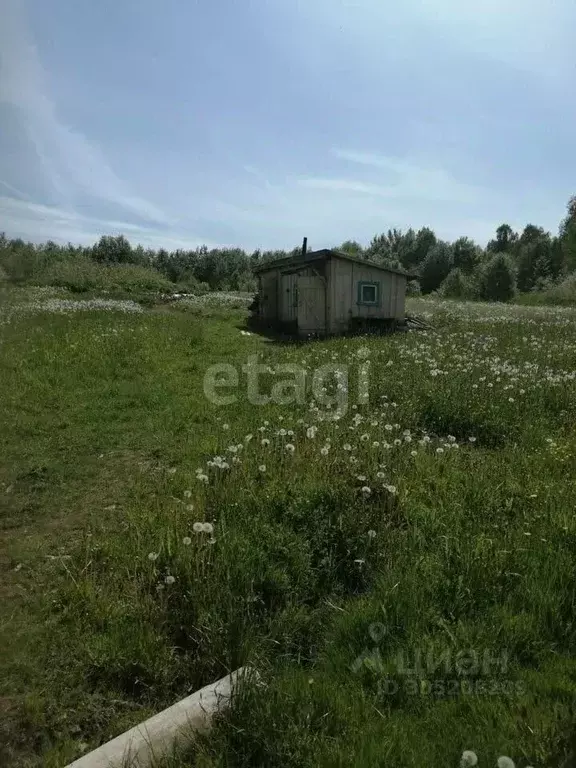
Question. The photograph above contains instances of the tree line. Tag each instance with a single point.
(529, 261)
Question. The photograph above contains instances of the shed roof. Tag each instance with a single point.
(326, 253)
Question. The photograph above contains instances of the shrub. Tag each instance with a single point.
(458, 286)
(82, 274)
(497, 281)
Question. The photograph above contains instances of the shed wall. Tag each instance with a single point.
(343, 293)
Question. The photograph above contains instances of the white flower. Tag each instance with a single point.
(203, 478)
(451, 439)
(347, 447)
(186, 541)
(505, 762)
(225, 426)
(397, 442)
(375, 444)
(371, 534)
(265, 442)
(439, 450)
(390, 488)
(413, 453)
(207, 528)
(311, 432)
(190, 507)
(248, 438)
(364, 437)
(380, 475)
(282, 432)
(153, 556)
(366, 491)
(169, 579)
(388, 427)
(325, 450)
(362, 478)
(289, 447)
(262, 468)
(198, 527)
(468, 759)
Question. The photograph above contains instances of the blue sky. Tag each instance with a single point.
(256, 122)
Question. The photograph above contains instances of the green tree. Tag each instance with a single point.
(568, 236)
(497, 281)
(467, 255)
(436, 267)
(505, 240)
(112, 250)
(352, 248)
(458, 286)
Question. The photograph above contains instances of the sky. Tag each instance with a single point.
(255, 123)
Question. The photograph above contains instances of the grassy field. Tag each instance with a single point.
(394, 551)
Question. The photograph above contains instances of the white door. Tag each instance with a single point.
(311, 305)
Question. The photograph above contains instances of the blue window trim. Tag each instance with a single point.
(371, 283)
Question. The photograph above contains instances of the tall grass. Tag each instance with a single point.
(434, 521)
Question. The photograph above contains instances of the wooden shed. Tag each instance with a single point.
(328, 292)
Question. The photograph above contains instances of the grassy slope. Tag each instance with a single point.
(475, 547)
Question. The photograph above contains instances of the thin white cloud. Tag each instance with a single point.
(397, 179)
(73, 165)
(39, 223)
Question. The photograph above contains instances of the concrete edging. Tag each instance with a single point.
(143, 745)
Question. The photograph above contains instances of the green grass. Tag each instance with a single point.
(114, 607)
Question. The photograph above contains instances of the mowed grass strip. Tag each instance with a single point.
(402, 575)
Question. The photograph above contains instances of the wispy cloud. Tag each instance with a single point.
(74, 166)
(39, 222)
(396, 179)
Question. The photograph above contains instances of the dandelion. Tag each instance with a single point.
(325, 450)
(225, 427)
(439, 450)
(388, 427)
(472, 439)
(362, 478)
(371, 534)
(282, 432)
(391, 489)
(289, 447)
(187, 494)
(311, 432)
(413, 453)
(203, 478)
(153, 556)
(190, 507)
(347, 447)
(505, 762)
(451, 439)
(248, 438)
(207, 528)
(397, 442)
(468, 759)
(375, 444)
(380, 475)
(364, 437)
(262, 468)
(169, 579)
(366, 491)
(186, 541)
(265, 442)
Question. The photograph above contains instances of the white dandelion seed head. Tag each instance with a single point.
(371, 534)
(325, 450)
(289, 447)
(366, 490)
(469, 759)
(439, 450)
(225, 426)
(265, 442)
(190, 507)
(186, 541)
(187, 494)
(152, 556)
(505, 762)
(262, 468)
(169, 579)
(207, 528)
(198, 527)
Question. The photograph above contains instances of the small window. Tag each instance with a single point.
(369, 293)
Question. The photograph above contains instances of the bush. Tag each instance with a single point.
(82, 274)
(458, 286)
(497, 281)
(413, 288)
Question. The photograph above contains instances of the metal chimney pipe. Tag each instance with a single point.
(304, 247)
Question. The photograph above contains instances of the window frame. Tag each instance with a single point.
(372, 284)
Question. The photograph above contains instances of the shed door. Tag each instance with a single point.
(311, 305)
